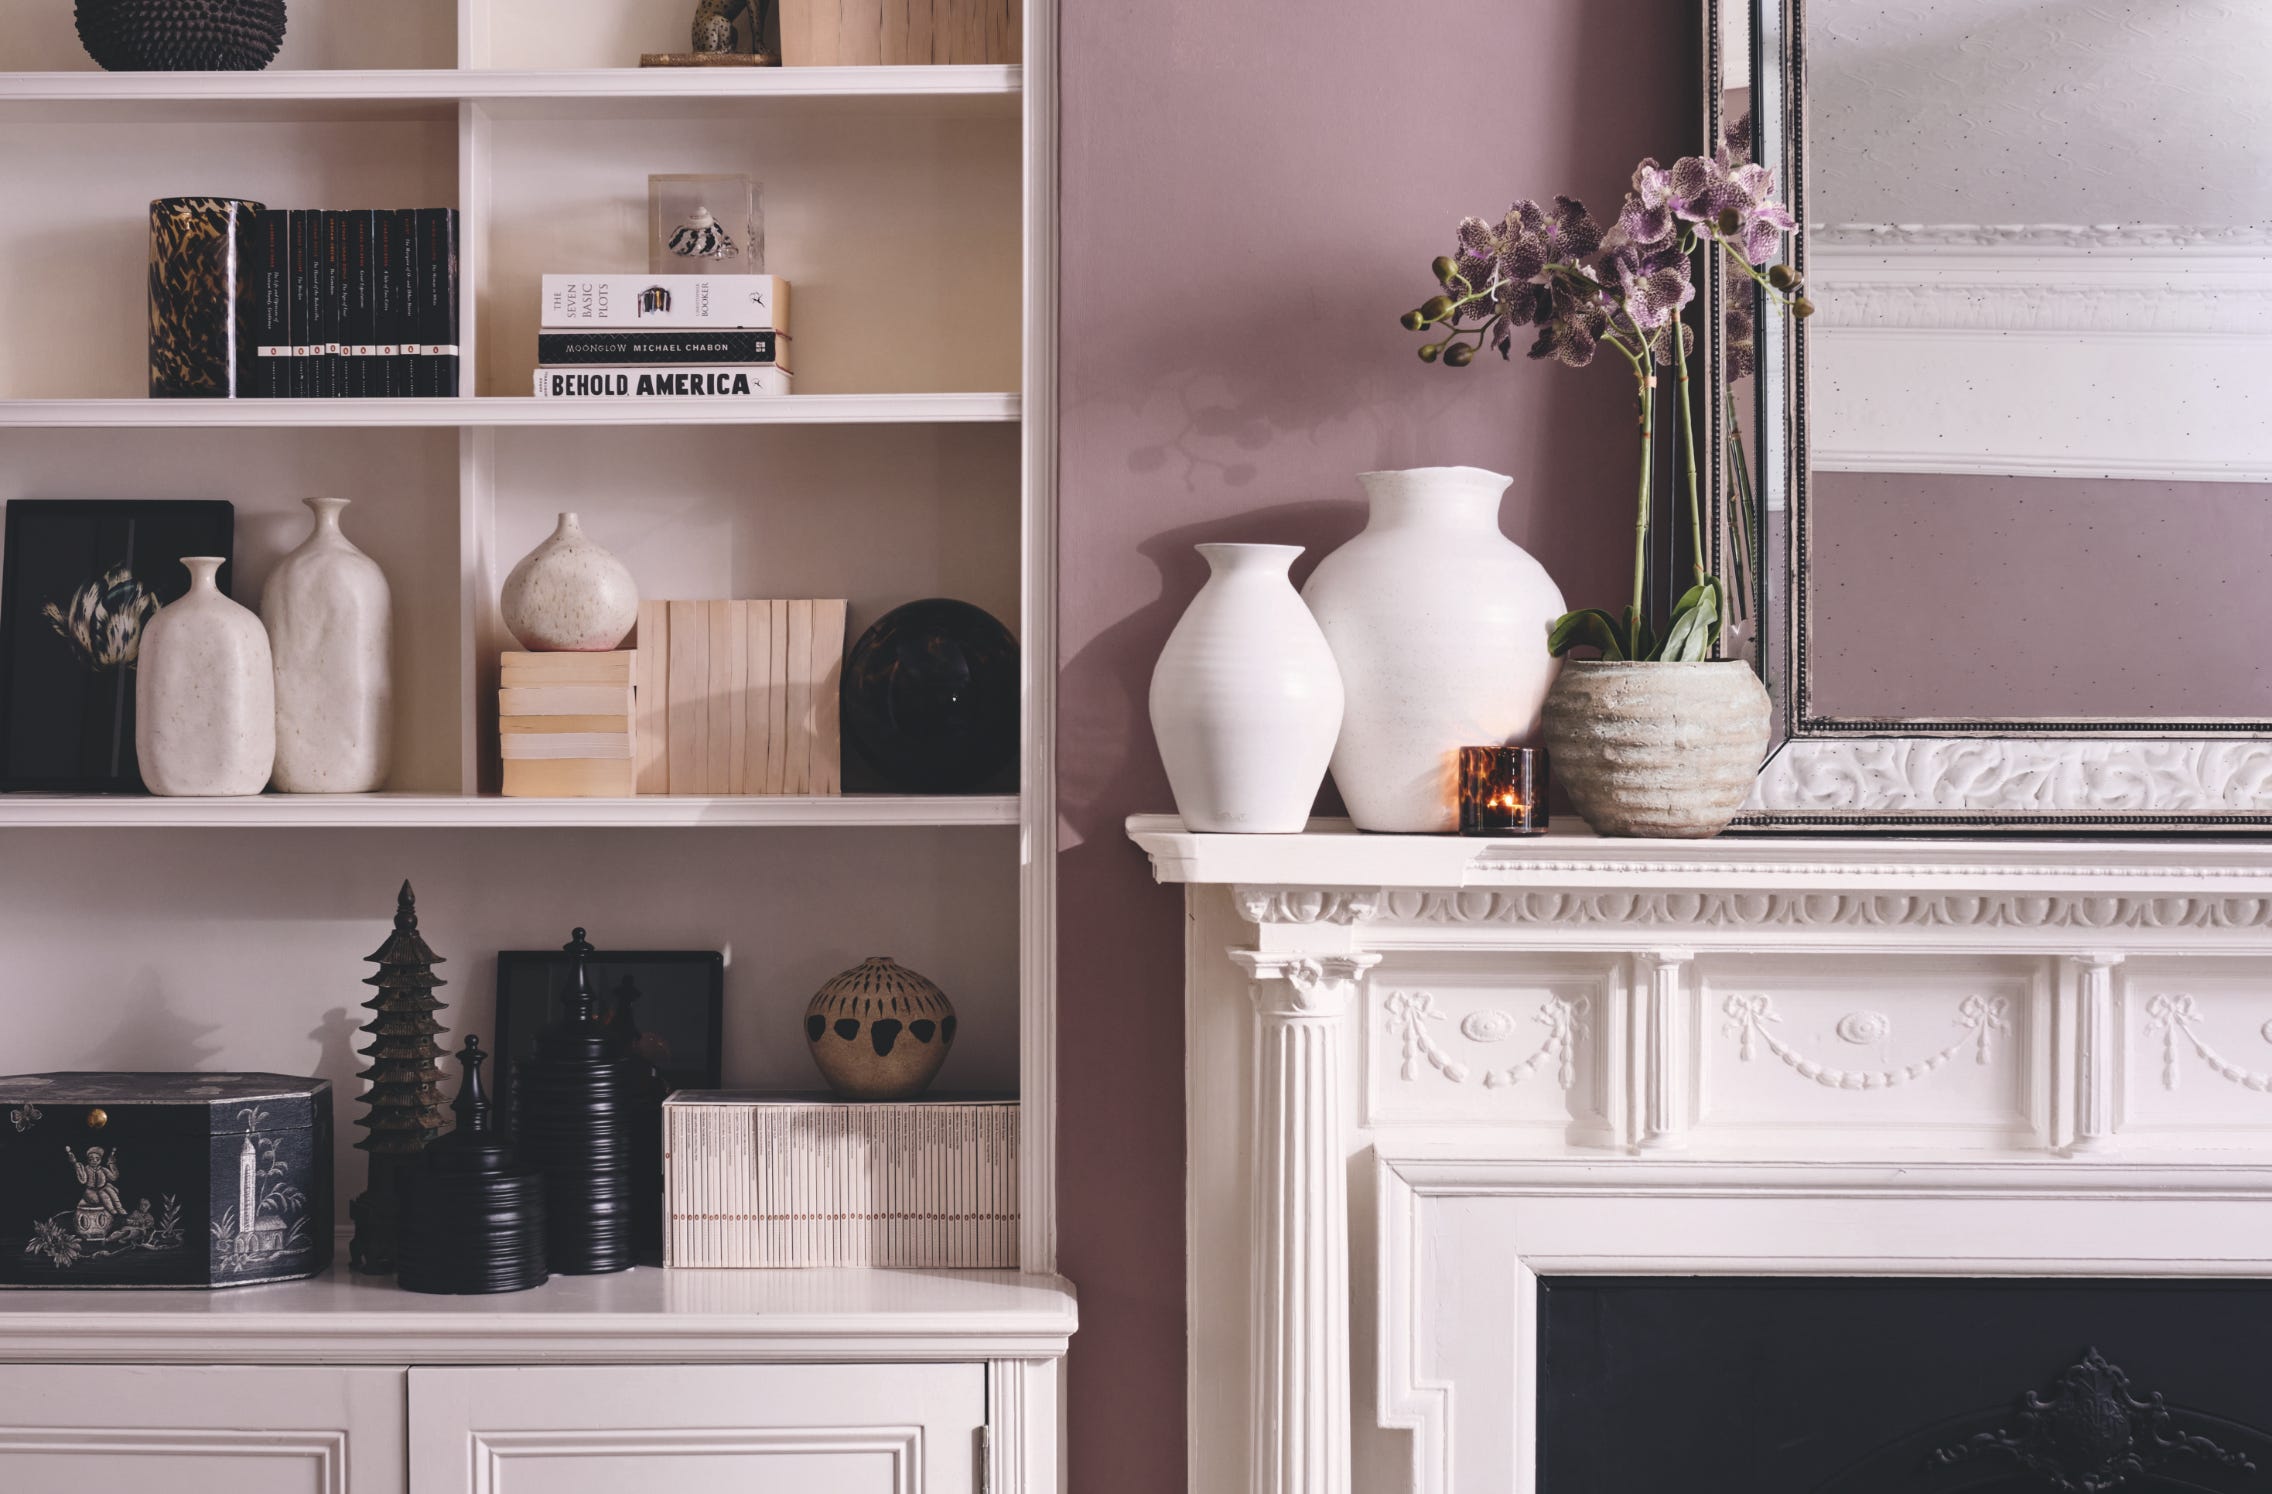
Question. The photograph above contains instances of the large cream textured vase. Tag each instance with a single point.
(1657, 749)
(1439, 624)
(330, 625)
(1246, 701)
(204, 694)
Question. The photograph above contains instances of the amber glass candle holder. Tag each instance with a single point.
(1502, 790)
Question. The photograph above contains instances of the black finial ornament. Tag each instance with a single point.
(576, 1118)
(472, 1220)
(404, 1098)
(2091, 1435)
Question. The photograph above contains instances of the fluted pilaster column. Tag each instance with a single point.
(2096, 1060)
(1660, 978)
(1301, 1222)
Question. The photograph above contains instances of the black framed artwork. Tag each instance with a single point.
(78, 580)
(671, 1003)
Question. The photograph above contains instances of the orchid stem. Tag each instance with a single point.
(1648, 402)
(1688, 456)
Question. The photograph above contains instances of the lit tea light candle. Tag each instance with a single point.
(1502, 790)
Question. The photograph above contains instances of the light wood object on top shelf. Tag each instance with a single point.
(855, 33)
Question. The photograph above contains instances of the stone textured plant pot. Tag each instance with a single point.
(1657, 749)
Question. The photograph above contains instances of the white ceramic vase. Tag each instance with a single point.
(1246, 700)
(204, 694)
(330, 629)
(1439, 624)
(569, 596)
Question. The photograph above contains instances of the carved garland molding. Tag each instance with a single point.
(1407, 1017)
(2171, 1016)
(1980, 1017)
(1351, 907)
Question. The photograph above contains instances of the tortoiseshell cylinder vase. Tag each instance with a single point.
(200, 293)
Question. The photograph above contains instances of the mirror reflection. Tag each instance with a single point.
(2039, 464)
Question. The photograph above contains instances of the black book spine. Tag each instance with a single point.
(335, 303)
(362, 305)
(438, 230)
(620, 348)
(302, 276)
(320, 333)
(405, 235)
(267, 260)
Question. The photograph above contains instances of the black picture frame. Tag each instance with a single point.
(66, 694)
(681, 1008)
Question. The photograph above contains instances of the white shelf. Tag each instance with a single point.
(26, 811)
(341, 414)
(338, 94)
(645, 1315)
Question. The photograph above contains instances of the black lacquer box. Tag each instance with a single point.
(163, 1180)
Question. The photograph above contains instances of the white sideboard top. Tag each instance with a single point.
(1331, 853)
(645, 1315)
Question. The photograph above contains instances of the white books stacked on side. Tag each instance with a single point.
(771, 1180)
(673, 338)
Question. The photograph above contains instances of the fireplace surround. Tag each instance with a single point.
(1425, 1074)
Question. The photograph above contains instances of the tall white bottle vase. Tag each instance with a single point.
(204, 694)
(1439, 623)
(330, 624)
(1246, 700)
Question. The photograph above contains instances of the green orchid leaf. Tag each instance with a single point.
(1695, 625)
(1643, 642)
(1588, 627)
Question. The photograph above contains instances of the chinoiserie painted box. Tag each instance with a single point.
(163, 1180)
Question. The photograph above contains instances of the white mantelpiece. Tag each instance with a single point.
(1423, 1070)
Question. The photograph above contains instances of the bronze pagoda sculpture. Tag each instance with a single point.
(405, 1096)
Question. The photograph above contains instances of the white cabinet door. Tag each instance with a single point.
(181, 1429)
(694, 1429)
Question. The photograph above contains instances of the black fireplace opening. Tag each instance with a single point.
(1845, 1385)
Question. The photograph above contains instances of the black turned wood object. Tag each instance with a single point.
(472, 1218)
(577, 1120)
(405, 1097)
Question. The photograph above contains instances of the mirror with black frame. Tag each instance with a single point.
(2000, 506)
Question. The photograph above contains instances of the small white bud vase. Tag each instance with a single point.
(330, 628)
(1246, 699)
(569, 596)
(1439, 623)
(204, 694)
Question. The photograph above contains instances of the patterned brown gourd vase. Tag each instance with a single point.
(879, 1031)
(174, 36)
(200, 333)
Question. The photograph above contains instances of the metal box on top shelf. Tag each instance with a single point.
(163, 1180)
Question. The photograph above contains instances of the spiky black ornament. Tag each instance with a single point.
(174, 36)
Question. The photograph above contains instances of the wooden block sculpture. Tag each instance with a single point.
(851, 33)
(565, 724)
(739, 697)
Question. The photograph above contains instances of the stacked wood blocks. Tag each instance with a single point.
(565, 724)
(739, 697)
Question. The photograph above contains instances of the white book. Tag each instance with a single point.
(666, 384)
(716, 301)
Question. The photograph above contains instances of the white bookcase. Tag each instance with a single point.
(914, 210)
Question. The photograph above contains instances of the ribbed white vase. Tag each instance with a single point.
(330, 628)
(1246, 700)
(1439, 624)
(204, 694)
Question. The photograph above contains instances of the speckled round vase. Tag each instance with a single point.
(1657, 749)
(330, 626)
(569, 596)
(204, 694)
(879, 1031)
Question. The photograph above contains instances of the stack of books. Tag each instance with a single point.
(663, 337)
(358, 303)
(566, 724)
(788, 1180)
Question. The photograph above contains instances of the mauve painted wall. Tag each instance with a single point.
(1252, 192)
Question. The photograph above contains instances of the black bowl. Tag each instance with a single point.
(931, 697)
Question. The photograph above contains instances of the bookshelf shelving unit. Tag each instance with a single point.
(913, 208)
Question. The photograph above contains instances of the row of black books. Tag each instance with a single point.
(357, 303)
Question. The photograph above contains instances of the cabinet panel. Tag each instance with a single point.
(70, 1429)
(804, 1429)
